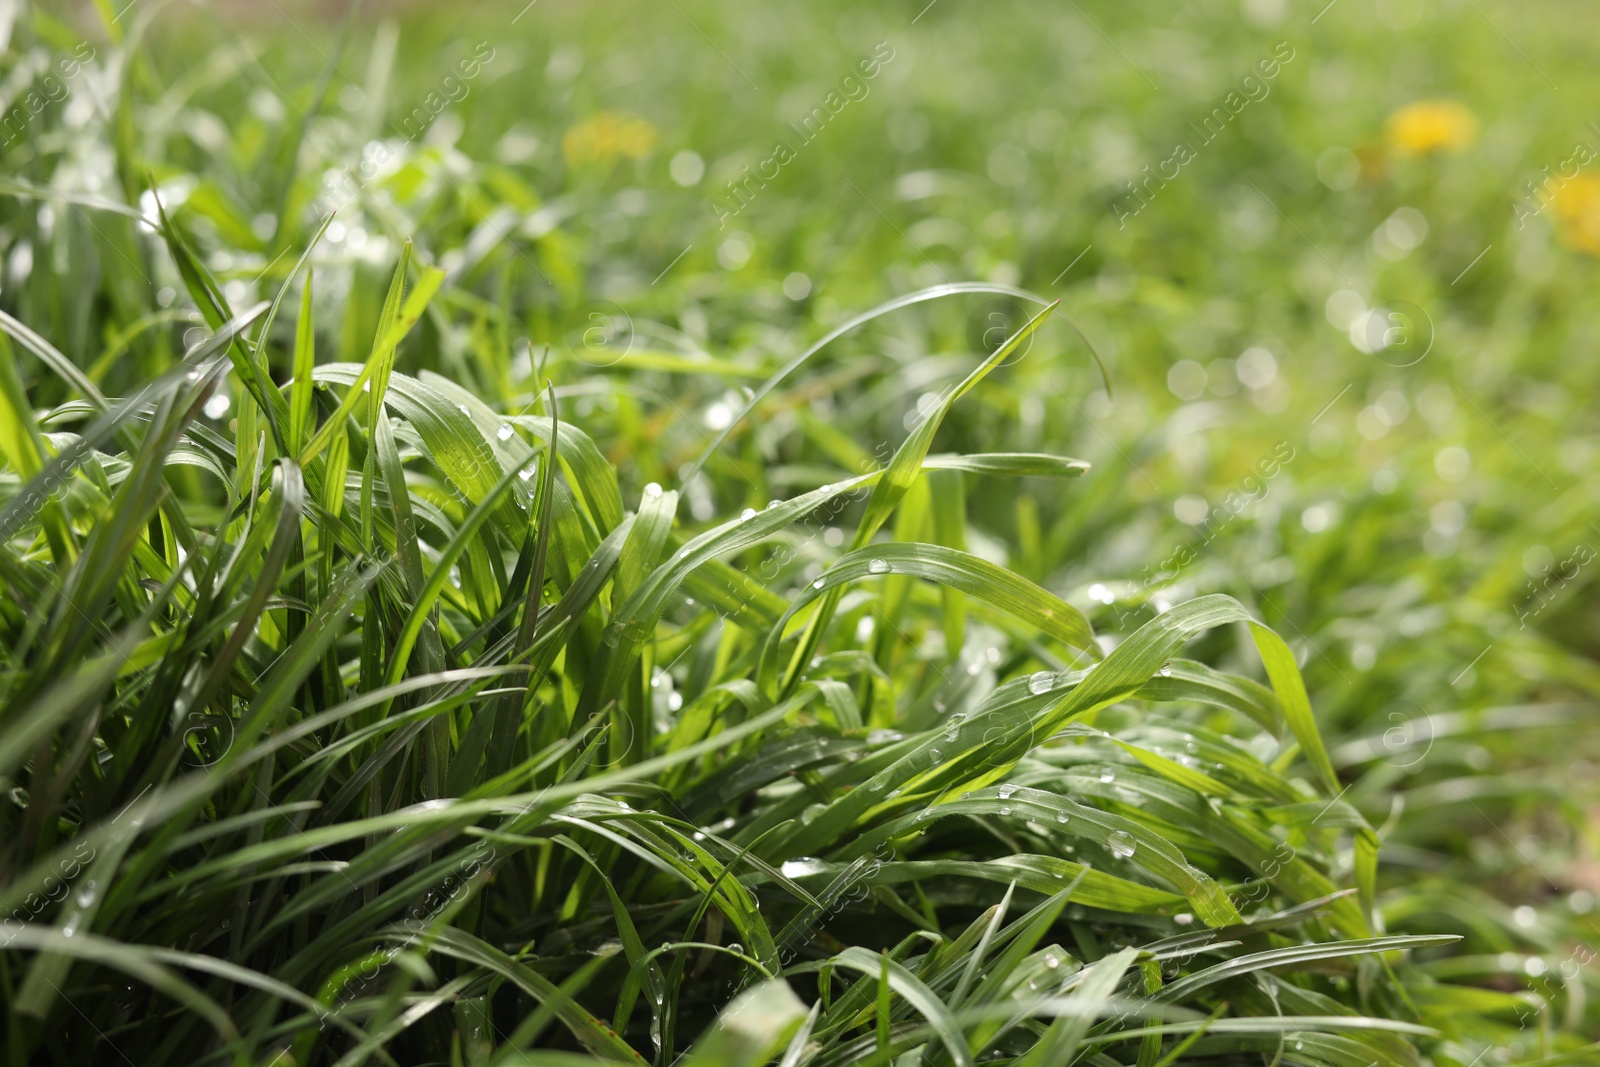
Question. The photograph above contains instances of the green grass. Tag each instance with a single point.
(541, 615)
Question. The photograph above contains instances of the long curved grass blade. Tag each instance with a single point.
(595, 1035)
(914, 992)
(932, 293)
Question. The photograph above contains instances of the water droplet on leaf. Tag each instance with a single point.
(801, 866)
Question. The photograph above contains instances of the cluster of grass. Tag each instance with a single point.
(489, 581)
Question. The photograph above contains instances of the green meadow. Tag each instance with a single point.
(850, 535)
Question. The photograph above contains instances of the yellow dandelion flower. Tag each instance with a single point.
(1432, 126)
(1576, 205)
(607, 136)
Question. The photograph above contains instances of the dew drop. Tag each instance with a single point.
(819, 583)
(1108, 775)
(884, 737)
(801, 866)
(1121, 845)
(747, 514)
(1166, 670)
(877, 566)
(504, 432)
(1041, 682)
(1005, 809)
(1005, 791)
(1061, 817)
(652, 491)
(1183, 918)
